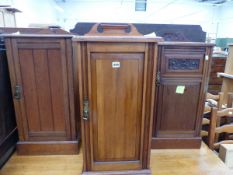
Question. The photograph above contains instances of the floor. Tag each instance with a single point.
(163, 162)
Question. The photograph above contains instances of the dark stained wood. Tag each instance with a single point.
(113, 30)
(174, 143)
(55, 31)
(45, 111)
(170, 32)
(215, 83)
(8, 129)
(48, 148)
(178, 116)
(116, 135)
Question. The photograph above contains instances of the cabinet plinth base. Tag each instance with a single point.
(48, 148)
(176, 143)
(127, 172)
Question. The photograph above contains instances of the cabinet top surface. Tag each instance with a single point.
(171, 43)
(36, 36)
(117, 39)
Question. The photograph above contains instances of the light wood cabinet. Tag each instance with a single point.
(42, 87)
(116, 86)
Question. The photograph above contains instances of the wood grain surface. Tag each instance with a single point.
(163, 162)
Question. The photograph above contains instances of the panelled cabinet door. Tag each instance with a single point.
(41, 73)
(183, 77)
(116, 80)
(42, 86)
(116, 113)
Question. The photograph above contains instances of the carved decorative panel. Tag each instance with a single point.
(183, 64)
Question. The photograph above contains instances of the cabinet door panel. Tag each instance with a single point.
(116, 110)
(177, 112)
(43, 79)
(118, 96)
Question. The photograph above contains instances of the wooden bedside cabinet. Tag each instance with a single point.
(41, 76)
(182, 82)
(117, 86)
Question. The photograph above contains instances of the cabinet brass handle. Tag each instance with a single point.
(85, 109)
(17, 94)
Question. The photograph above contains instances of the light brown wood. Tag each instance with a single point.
(211, 100)
(224, 128)
(216, 129)
(228, 112)
(211, 96)
(163, 162)
(205, 121)
(116, 132)
(204, 133)
(42, 69)
(227, 76)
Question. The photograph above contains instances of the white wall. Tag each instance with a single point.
(34, 11)
(158, 11)
(215, 20)
(225, 20)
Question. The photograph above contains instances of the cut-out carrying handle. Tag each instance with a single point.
(113, 29)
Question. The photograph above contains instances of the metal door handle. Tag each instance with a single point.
(85, 109)
(17, 94)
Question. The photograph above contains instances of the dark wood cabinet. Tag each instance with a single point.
(41, 75)
(116, 85)
(8, 129)
(182, 81)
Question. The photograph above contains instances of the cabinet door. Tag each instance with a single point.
(177, 112)
(40, 67)
(115, 86)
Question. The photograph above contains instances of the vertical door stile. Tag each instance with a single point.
(18, 81)
(70, 76)
(13, 78)
(65, 86)
(144, 94)
(89, 97)
(154, 50)
(80, 71)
